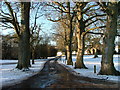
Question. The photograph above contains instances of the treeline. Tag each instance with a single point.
(10, 50)
(76, 20)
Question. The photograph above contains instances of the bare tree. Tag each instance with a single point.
(107, 65)
(21, 29)
(35, 39)
(35, 28)
(65, 8)
(84, 10)
(62, 35)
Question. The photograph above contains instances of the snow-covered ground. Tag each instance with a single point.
(90, 62)
(9, 75)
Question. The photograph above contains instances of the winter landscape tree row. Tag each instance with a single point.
(77, 19)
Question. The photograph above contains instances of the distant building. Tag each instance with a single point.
(74, 53)
(91, 50)
(59, 53)
(117, 49)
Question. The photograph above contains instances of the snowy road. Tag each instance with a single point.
(55, 75)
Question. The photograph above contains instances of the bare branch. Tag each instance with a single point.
(58, 35)
(99, 33)
(5, 20)
(93, 22)
(4, 16)
(61, 6)
(56, 8)
(94, 33)
(94, 17)
(6, 26)
(7, 14)
(103, 6)
(35, 19)
(54, 20)
(92, 29)
(15, 23)
(85, 10)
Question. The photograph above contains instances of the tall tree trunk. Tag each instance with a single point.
(66, 53)
(33, 56)
(107, 65)
(80, 38)
(69, 46)
(65, 44)
(96, 53)
(81, 46)
(80, 50)
(69, 55)
(24, 38)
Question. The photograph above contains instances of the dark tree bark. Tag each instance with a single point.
(23, 32)
(24, 38)
(107, 65)
(33, 56)
(69, 46)
(80, 49)
(96, 53)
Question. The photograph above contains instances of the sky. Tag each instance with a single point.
(47, 26)
(47, 29)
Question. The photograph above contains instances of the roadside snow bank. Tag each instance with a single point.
(90, 62)
(10, 75)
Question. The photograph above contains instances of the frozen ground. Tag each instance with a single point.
(90, 62)
(9, 75)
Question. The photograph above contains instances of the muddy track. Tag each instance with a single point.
(55, 76)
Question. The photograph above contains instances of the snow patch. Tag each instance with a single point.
(89, 61)
(10, 75)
